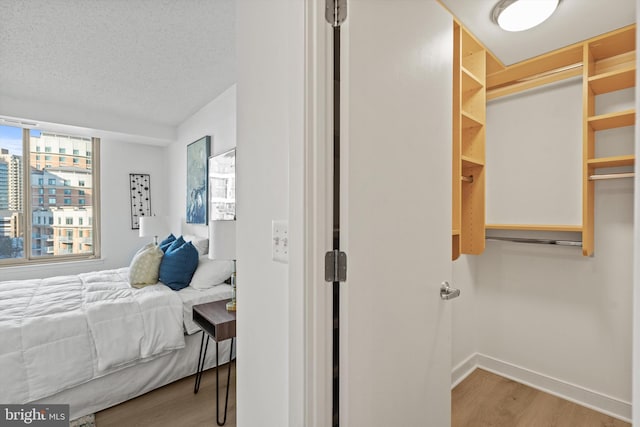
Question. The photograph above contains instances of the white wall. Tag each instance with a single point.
(119, 241)
(270, 106)
(550, 310)
(464, 314)
(216, 119)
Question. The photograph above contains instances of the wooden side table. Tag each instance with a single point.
(219, 324)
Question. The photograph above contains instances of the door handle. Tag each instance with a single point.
(447, 292)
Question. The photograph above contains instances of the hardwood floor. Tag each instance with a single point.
(483, 399)
(486, 399)
(175, 405)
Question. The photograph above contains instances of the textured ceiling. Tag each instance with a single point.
(573, 21)
(158, 61)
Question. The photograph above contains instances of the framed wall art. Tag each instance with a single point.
(197, 186)
(140, 192)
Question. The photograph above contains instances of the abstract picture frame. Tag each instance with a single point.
(197, 180)
(140, 193)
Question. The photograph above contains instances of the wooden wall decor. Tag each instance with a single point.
(140, 190)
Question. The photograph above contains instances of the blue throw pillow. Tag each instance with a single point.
(178, 265)
(175, 244)
(164, 245)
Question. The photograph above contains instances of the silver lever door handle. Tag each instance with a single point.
(447, 292)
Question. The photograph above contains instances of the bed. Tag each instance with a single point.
(92, 341)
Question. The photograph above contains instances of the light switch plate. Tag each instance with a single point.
(280, 241)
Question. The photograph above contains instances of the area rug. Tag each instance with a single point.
(86, 421)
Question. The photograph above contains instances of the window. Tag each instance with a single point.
(33, 186)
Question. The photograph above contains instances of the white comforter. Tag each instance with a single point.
(59, 332)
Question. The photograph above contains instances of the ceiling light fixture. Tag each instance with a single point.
(520, 15)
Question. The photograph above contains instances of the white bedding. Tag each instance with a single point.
(191, 297)
(59, 332)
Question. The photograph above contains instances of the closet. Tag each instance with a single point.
(606, 64)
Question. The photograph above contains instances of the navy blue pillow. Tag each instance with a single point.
(178, 265)
(164, 245)
(175, 244)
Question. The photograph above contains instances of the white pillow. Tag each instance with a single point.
(200, 243)
(145, 266)
(211, 272)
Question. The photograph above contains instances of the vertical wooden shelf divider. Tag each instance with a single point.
(457, 160)
(608, 65)
(469, 118)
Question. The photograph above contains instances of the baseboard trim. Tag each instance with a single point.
(464, 369)
(574, 393)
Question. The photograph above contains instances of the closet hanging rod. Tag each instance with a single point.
(467, 178)
(612, 176)
(537, 241)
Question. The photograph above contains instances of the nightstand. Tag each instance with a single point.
(218, 324)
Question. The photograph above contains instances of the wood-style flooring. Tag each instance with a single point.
(175, 405)
(485, 399)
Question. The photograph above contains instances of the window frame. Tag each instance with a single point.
(26, 220)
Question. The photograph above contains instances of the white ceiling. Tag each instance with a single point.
(160, 61)
(157, 61)
(573, 21)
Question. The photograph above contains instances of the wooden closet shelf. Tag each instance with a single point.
(470, 121)
(470, 81)
(470, 162)
(455, 232)
(613, 120)
(614, 43)
(535, 227)
(614, 80)
(612, 162)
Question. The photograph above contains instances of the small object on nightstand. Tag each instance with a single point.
(222, 241)
(231, 305)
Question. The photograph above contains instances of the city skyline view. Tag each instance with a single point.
(59, 190)
(11, 139)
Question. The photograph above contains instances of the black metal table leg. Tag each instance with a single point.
(226, 401)
(201, 359)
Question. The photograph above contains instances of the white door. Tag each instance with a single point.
(396, 131)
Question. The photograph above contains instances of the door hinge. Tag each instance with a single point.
(335, 12)
(335, 266)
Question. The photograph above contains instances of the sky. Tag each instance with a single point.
(11, 139)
